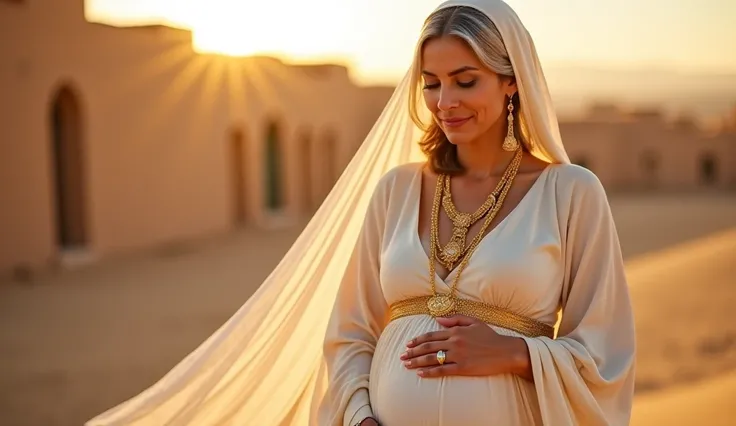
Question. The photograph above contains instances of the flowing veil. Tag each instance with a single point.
(264, 366)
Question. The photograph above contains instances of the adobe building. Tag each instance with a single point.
(116, 139)
(642, 150)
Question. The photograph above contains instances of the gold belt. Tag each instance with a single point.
(482, 311)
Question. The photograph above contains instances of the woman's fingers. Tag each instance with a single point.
(424, 349)
(428, 360)
(432, 336)
(451, 369)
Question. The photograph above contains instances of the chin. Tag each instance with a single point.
(461, 135)
(459, 138)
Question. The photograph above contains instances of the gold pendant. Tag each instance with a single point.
(452, 252)
(463, 220)
(440, 305)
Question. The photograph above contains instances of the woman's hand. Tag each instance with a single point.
(472, 348)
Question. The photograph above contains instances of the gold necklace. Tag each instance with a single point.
(461, 222)
(449, 255)
(444, 304)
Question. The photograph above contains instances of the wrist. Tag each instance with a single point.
(518, 356)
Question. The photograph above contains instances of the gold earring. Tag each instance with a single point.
(510, 143)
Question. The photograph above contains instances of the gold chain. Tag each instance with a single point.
(466, 219)
(441, 305)
(461, 222)
(456, 248)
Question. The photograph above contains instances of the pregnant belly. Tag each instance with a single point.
(400, 397)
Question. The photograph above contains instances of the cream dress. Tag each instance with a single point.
(558, 249)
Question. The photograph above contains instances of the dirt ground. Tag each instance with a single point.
(74, 343)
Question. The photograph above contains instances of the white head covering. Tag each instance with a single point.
(539, 119)
(264, 365)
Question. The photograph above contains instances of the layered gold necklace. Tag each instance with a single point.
(444, 304)
(456, 248)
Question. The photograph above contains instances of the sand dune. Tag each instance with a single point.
(684, 301)
(708, 403)
(684, 298)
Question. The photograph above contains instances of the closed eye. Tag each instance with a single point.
(464, 85)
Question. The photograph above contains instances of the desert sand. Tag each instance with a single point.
(73, 343)
(684, 300)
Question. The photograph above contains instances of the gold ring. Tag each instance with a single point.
(441, 356)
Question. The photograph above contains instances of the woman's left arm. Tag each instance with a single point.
(586, 375)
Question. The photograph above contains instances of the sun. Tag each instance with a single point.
(231, 27)
(283, 29)
(213, 38)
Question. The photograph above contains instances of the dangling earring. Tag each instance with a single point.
(510, 143)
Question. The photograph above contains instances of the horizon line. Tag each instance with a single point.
(393, 76)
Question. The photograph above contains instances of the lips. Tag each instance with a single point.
(455, 122)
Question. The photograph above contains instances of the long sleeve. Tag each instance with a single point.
(357, 319)
(586, 376)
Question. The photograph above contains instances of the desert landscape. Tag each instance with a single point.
(74, 343)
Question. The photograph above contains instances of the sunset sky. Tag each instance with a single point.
(376, 37)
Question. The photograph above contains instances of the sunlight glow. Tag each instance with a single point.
(375, 38)
(229, 28)
(241, 28)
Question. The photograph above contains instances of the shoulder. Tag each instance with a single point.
(578, 189)
(576, 176)
(391, 183)
(575, 180)
(397, 176)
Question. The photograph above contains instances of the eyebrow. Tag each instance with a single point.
(452, 73)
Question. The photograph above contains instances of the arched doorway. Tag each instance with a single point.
(238, 182)
(708, 169)
(307, 171)
(68, 161)
(274, 190)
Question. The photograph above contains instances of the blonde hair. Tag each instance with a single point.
(481, 35)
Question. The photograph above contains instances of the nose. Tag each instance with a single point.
(447, 100)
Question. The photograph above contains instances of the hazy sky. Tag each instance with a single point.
(377, 36)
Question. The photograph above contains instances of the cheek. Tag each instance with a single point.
(487, 107)
(431, 98)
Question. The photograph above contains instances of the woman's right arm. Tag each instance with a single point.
(357, 319)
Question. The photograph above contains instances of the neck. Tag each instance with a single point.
(484, 158)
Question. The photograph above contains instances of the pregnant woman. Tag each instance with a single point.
(447, 313)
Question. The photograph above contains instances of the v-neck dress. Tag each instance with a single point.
(556, 251)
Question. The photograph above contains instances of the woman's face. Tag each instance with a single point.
(466, 99)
